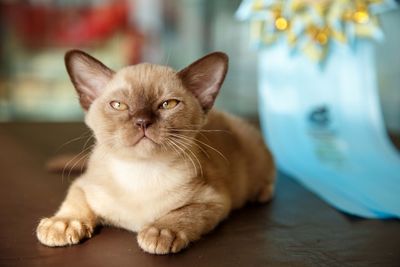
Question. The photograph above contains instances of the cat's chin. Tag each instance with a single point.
(145, 143)
(145, 147)
(141, 139)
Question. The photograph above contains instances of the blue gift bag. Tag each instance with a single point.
(325, 128)
(324, 125)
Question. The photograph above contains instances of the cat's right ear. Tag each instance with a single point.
(88, 75)
(204, 77)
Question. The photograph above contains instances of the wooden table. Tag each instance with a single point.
(296, 229)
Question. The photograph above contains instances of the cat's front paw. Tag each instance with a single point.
(162, 241)
(56, 231)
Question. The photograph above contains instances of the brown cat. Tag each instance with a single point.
(164, 165)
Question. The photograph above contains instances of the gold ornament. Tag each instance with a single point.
(281, 24)
(361, 16)
(310, 25)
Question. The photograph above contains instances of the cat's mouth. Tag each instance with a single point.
(142, 137)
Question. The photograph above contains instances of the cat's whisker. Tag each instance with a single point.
(187, 147)
(164, 147)
(197, 127)
(186, 144)
(179, 150)
(86, 153)
(188, 156)
(204, 136)
(213, 148)
(67, 164)
(72, 160)
(189, 142)
(74, 139)
(194, 131)
(73, 166)
(168, 142)
(83, 156)
(197, 130)
(88, 140)
(168, 132)
(85, 161)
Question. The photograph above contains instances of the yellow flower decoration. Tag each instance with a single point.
(311, 25)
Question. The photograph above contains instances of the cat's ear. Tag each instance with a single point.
(88, 75)
(205, 76)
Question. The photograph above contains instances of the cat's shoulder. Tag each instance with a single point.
(235, 127)
(222, 120)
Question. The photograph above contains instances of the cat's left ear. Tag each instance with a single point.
(88, 75)
(205, 76)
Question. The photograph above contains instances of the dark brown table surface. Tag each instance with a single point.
(296, 229)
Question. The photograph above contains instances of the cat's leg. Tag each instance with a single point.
(175, 230)
(73, 222)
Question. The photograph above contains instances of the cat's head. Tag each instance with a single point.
(139, 109)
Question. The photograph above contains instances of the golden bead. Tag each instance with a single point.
(361, 16)
(322, 38)
(281, 23)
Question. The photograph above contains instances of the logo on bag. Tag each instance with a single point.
(320, 116)
(327, 145)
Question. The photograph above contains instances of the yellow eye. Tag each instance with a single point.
(118, 105)
(169, 104)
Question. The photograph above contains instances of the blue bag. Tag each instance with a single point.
(324, 125)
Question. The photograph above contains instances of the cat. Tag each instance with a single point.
(165, 164)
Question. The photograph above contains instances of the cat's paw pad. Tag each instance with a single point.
(55, 231)
(162, 241)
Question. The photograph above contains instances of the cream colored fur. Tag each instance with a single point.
(169, 197)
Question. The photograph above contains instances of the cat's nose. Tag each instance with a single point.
(143, 122)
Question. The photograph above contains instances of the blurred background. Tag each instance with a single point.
(35, 34)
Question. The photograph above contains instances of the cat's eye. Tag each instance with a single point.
(117, 105)
(169, 104)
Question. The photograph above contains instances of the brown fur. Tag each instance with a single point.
(193, 167)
